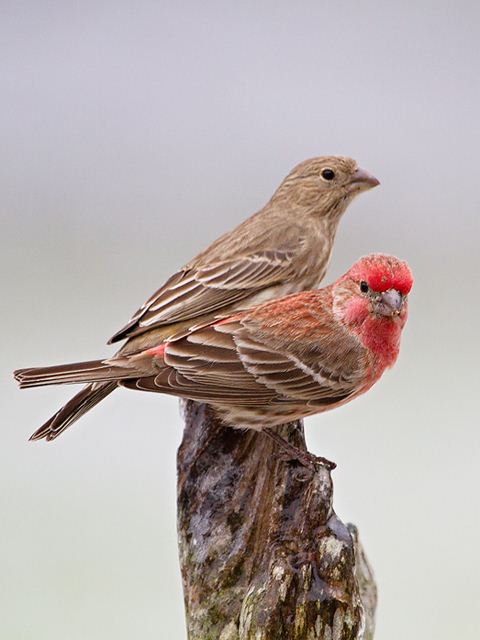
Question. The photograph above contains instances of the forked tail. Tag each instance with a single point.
(100, 375)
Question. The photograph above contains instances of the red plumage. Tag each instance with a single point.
(382, 272)
(279, 361)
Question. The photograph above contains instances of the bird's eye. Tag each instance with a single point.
(328, 174)
(363, 286)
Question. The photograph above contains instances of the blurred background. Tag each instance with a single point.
(133, 134)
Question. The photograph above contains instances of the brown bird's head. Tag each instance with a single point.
(325, 185)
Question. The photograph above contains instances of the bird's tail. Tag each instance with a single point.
(85, 400)
(102, 377)
(92, 371)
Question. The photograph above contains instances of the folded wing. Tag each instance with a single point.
(207, 287)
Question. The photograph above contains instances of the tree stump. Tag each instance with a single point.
(263, 555)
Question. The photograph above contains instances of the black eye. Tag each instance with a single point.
(363, 286)
(328, 174)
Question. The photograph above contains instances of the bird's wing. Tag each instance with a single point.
(310, 376)
(224, 364)
(205, 366)
(200, 290)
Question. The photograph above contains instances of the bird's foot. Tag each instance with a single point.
(318, 461)
(291, 452)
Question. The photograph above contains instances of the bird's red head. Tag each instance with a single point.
(381, 273)
(371, 299)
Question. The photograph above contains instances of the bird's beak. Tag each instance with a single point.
(390, 303)
(363, 180)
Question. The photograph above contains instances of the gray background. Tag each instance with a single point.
(132, 135)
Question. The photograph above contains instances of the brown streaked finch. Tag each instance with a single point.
(276, 362)
(284, 248)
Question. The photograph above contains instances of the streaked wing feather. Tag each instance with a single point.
(205, 366)
(303, 378)
(178, 385)
(196, 291)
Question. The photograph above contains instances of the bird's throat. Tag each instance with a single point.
(381, 336)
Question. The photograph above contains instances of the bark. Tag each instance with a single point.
(263, 555)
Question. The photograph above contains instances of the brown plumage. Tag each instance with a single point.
(283, 248)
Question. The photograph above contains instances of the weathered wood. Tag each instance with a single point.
(263, 555)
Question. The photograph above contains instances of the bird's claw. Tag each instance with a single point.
(311, 460)
(305, 458)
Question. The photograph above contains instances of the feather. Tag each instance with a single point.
(93, 371)
(74, 409)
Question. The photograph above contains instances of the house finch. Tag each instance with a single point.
(276, 362)
(285, 247)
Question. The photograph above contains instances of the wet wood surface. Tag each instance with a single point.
(263, 555)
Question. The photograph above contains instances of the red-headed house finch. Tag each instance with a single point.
(279, 361)
(284, 248)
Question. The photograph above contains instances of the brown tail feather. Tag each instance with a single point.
(85, 400)
(93, 371)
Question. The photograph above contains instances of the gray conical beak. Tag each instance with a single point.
(364, 180)
(390, 303)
